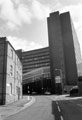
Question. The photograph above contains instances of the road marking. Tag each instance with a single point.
(61, 117)
(58, 108)
(56, 102)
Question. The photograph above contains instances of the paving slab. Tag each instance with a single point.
(13, 108)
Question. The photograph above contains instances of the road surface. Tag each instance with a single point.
(51, 108)
(40, 110)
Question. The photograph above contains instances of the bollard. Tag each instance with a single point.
(28, 97)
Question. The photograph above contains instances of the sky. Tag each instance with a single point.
(24, 22)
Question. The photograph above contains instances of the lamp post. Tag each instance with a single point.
(28, 97)
(28, 89)
(42, 87)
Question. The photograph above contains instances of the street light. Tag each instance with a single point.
(28, 97)
(28, 89)
(42, 83)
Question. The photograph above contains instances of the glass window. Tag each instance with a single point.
(12, 53)
(17, 75)
(10, 88)
(11, 70)
(17, 90)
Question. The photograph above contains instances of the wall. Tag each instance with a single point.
(69, 50)
(13, 76)
(2, 70)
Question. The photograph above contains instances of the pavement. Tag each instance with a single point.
(13, 108)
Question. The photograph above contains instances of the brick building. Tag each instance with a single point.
(10, 73)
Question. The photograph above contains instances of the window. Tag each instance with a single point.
(10, 88)
(11, 70)
(35, 58)
(12, 53)
(17, 90)
(17, 75)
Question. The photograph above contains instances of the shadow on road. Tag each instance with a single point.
(55, 111)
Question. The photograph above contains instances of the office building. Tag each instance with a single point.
(36, 70)
(60, 59)
(64, 50)
(38, 80)
(34, 59)
(56, 49)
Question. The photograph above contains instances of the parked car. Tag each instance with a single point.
(74, 91)
(47, 93)
(34, 93)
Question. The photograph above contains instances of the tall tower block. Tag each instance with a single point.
(62, 49)
(56, 49)
(70, 55)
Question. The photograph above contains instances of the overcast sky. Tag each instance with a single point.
(24, 22)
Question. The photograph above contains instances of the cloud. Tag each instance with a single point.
(16, 1)
(70, 2)
(24, 44)
(39, 10)
(10, 25)
(56, 6)
(24, 14)
(13, 15)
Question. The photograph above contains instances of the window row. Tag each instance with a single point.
(46, 50)
(11, 85)
(36, 55)
(18, 76)
(35, 59)
(36, 62)
(36, 66)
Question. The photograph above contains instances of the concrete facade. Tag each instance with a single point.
(34, 59)
(62, 50)
(36, 70)
(62, 55)
(69, 36)
(10, 73)
(56, 48)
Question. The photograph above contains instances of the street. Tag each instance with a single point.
(70, 109)
(51, 108)
(40, 110)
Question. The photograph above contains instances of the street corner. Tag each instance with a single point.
(31, 100)
(26, 102)
(17, 107)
